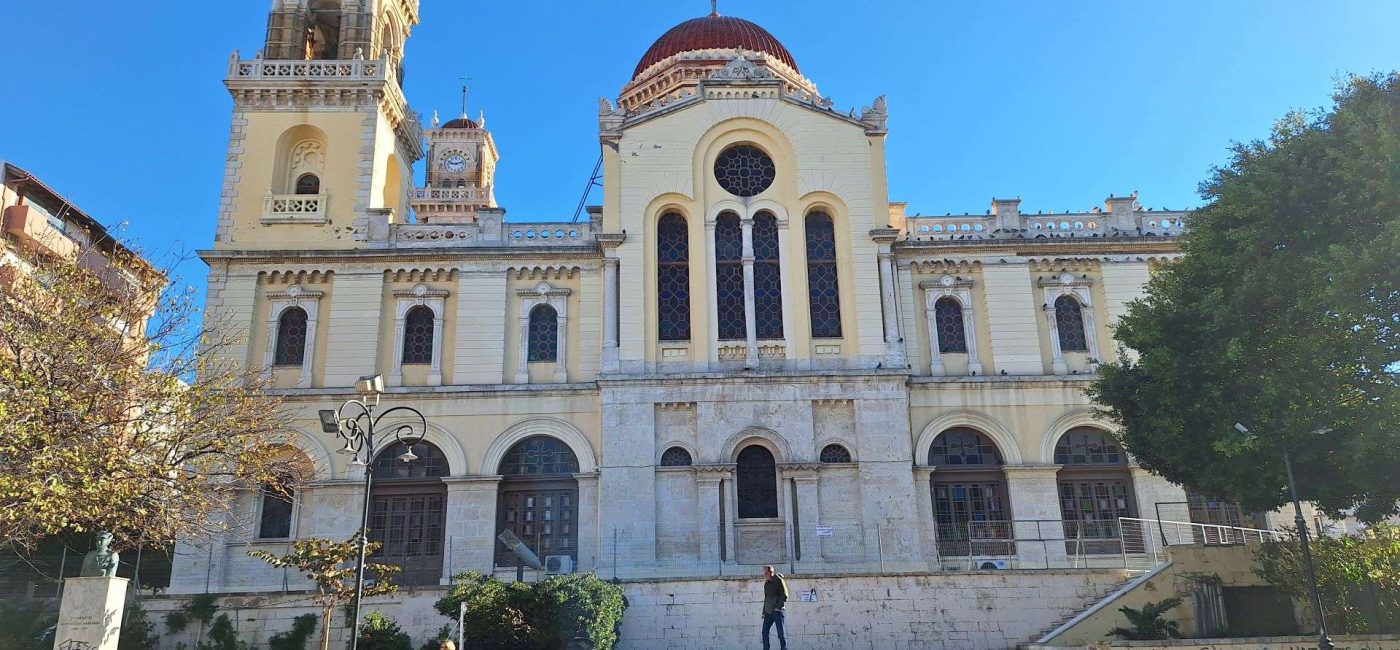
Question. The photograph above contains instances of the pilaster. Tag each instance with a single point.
(1035, 512)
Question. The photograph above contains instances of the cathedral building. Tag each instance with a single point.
(747, 354)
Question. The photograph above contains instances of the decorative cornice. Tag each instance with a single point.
(715, 468)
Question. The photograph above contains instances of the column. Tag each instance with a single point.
(1057, 355)
(435, 370)
(928, 526)
(708, 518)
(1149, 490)
(522, 368)
(894, 340)
(561, 356)
(931, 319)
(974, 362)
(587, 513)
(808, 515)
(470, 527)
(750, 309)
(1035, 512)
(609, 360)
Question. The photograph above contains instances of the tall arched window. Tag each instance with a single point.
(538, 498)
(729, 278)
(408, 508)
(673, 278)
(951, 335)
(308, 184)
(970, 507)
(1069, 320)
(767, 277)
(1095, 490)
(823, 294)
(544, 334)
(418, 335)
(757, 483)
(275, 518)
(291, 337)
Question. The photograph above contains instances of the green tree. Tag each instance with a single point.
(294, 639)
(1282, 314)
(1351, 570)
(331, 565)
(379, 632)
(1149, 622)
(548, 614)
(138, 630)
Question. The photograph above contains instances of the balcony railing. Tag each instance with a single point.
(349, 70)
(450, 194)
(294, 208)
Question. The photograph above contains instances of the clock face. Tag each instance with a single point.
(454, 163)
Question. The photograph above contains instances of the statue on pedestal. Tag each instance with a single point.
(101, 562)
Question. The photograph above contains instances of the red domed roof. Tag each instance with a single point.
(714, 32)
(460, 123)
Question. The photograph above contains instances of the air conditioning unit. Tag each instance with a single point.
(997, 565)
(558, 564)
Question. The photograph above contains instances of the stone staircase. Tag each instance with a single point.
(1099, 596)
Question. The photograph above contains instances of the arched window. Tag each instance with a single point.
(757, 483)
(1095, 490)
(418, 335)
(291, 337)
(767, 277)
(538, 498)
(408, 511)
(308, 184)
(951, 335)
(835, 453)
(970, 507)
(729, 278)
(676, 457)
(1069, 320)
(673, 278)
(544, 334)
(275, 519)
(823, 294)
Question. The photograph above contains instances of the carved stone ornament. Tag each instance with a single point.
(742, 69)
(876, 115)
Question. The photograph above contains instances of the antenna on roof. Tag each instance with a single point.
(464, 95)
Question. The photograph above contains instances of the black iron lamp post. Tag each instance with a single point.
(357, 424)
(1324, 641)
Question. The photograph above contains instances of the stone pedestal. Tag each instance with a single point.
(90, 616)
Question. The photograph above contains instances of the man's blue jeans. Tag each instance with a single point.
(770, 620)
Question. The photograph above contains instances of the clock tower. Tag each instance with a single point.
(461, 172)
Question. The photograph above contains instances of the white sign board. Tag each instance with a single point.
(824, 531)
(807, 595)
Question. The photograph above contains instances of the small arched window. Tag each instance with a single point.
(1089, 446)
(544, 334)
(767, 277)
(823, 294)
(291, 338)
(963, 448)
(308, 184)
(676, 457)
(673, 278)
(539, 456)
(418, 335)
(835, 453)
(729, 278)
(757, 483)
(427, 462)
(1069, 320)
(948, 313)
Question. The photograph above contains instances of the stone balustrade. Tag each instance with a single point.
(540, 235)
(349, 70)
(450, 194)
(298, 208)
(1044, 226)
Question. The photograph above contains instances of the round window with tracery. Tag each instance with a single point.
(744, 170)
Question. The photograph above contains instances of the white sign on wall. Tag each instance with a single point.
(824, 531)
(807, 595)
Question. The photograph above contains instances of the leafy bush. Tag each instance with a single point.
(26, 627)
(1147, 623)
(444, 633)
(294, 639)
(138, 631)
(547, 615)
(1358, 577)
(223, 636)
(198, 608)
(379, 632)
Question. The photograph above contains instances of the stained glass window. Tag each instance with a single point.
(823, 294)
(947, 313)
(744, 170)
(418, 335)
(676, 457)
(673, 278)
(544, 334)
(1069, 320)
(291, 338)
(1088, 446)
(729, 277)
(308, 184)
(757, 483)
(1091, 508)
(963, 448)
(971, 517)
(835, 454)
(767, 277)
(539, 456)
(430, 463)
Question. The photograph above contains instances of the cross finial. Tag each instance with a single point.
(464, 95)
(714, 7)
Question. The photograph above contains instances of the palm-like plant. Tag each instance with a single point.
(1147, 623)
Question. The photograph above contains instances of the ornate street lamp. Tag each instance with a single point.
(357, 424)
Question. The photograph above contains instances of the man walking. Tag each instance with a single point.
(775, 595)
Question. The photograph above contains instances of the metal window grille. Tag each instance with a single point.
(1069, 320)
(729, 278)
(744, 170)
(834, 453)
(823, 294)
(291, 337)
(951, 336)
(676, 457)
(971, 517)
(673, 278)
(767, 277)
(544, 334)
(418, 335)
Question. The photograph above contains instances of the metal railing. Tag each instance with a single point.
(1152, 537)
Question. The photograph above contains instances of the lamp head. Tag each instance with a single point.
(370, 385)
(329, 422)
(1241, 428)
(408, 456)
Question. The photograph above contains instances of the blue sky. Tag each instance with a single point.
(120, 105)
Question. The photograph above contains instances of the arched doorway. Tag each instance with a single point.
(538, 499)
(1095, 490)
(408, 505)
(970, 506)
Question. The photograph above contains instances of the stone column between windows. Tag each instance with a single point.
(928, 525)
(586, 518)
(750, 308)
(1037, 524)
(894, 340)
(522, 369)
(610, 358)
(808, 510)
(707, 519)
(789, 318)
(931, 318)
(470, 525)
(435, 370)
(561, 348)
(974, 362)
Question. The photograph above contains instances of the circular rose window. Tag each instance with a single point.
(744, 170)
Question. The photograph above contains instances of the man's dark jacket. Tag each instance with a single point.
(775, 594)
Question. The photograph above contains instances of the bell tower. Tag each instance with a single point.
(460, 180)
(323, 142)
